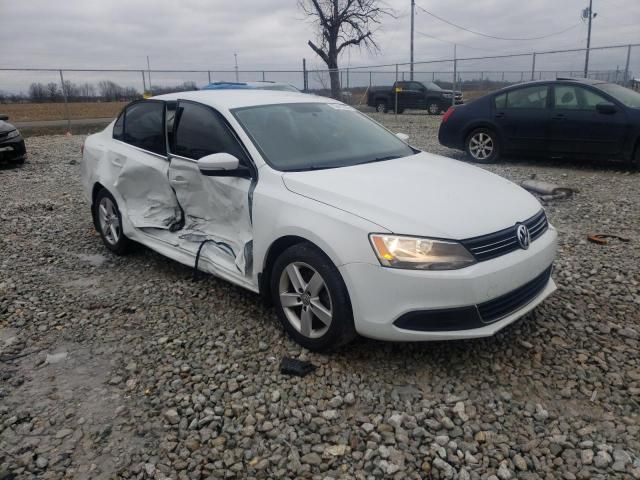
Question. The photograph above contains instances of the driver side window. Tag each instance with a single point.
(200, 131)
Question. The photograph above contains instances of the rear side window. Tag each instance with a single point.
(144, 126)
(528, 97)
(201, 131)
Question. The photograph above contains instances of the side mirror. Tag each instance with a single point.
(218, 164)
(606, 108)
(4, 118)
(403, 136)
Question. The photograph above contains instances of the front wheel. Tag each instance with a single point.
(382, 107)
(433, 108)
(482, 146)
(311, 299)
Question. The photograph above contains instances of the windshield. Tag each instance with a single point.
(432, 86)
(624, 95)
(310, 136)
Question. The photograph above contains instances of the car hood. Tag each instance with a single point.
(6, 127)
(423, 194)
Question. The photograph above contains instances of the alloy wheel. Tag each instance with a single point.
(380, 108)
(305, 299)
(481, 146)
(109, 221)
(434, 109)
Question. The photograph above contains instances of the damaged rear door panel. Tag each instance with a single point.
(139, 167)
(216, 209)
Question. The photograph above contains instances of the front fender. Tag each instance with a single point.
(278, 213)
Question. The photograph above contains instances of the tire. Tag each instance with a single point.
(482, 146)
(433, 108)
(318, 312)
(400, 111)
(382, 107)
(108, 221)
(635, 159)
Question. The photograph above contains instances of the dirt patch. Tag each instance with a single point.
(27, 112)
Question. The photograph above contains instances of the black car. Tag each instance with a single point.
(567, 117)
(12, 147)
(416, 95)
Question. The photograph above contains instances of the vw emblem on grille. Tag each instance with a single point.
(524, 238)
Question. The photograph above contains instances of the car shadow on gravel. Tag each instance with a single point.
(597, 165)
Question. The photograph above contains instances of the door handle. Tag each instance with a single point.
(117, 161)
(499, 115)
(560, 116)
(179, 181)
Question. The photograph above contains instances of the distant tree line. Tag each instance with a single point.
(103, 91)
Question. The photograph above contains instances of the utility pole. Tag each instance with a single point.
(455, 75)
(413, 9)
(149, 73)
(588, 12)
(235, 55)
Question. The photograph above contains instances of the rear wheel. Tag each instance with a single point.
(635, 160)
(311, 298)
(482, 146)
(109, 223)
(382, 107)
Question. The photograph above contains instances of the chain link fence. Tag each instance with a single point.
(78, 93)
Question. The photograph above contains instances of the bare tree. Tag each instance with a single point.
(342, 24)
(52, 91)
(37, 92)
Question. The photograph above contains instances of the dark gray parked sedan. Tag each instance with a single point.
(12, 148)
(566, 117)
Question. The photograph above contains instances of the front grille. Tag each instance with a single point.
(505, 241)
(500, 307)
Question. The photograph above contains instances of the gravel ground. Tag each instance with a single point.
(122, 367)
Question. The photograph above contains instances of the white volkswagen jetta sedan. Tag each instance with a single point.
(340, 223)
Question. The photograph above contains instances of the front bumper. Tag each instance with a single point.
(12, 150)
(382, 297)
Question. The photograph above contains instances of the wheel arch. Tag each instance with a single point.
(273, 252)
(94, 194)
(480, 124)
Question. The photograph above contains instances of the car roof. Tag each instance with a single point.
(238, 98)
(583, 81)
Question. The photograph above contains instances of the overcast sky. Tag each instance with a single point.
(204, 34)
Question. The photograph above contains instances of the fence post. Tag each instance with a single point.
(455, 78)
(347, 78)
(263, 77)
(395, 110)
(533, 67)
(144, 83)
(66, 104)
(209, 75)
(304, 74)
(433, 76)
(370, 79)
(626, 67)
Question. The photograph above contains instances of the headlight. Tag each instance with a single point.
(12, 134)
(398, 251)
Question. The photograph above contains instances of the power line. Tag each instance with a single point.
(494, 36)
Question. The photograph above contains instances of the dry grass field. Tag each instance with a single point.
(27, 112)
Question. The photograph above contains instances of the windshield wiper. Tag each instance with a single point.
(380, 159)
(314, 167)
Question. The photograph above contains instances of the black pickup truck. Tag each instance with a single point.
(416, 95)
